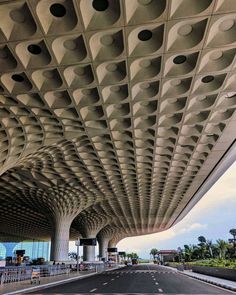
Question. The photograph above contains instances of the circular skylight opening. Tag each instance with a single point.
(100, 5)
(207, 79)
(17, 78)
(57, 10)
(34, 49)
(179, 59)
(145, 35)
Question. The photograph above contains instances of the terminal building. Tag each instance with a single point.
(33, 249)
(116, 116)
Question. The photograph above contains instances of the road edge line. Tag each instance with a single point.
(209, 282)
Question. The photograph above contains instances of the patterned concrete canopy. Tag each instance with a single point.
(113, 113)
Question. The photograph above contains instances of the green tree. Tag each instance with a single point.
(124, 255)
(209, 246)
(202, 246)
(233, 233)
(222, 246)
(188, 252)
(202, 240)
(154, 253)
(132, 255)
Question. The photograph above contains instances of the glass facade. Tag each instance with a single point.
(33, 249)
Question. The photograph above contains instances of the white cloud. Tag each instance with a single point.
(194, 226)
(149, 241)
(222, 191)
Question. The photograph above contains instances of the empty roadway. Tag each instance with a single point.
(137, 279)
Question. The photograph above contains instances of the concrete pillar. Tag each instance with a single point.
(103, 245)
(52, 248)
(88, 253)
(60, 239)
(112, 244)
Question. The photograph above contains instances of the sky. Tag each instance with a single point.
(213, 216)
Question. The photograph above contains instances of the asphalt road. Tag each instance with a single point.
(142, 279)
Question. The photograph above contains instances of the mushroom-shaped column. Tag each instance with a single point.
(67, 206)
(61, 205)
(89, 224)
(60, 238)
(51, 182)
(104, 236)
(103, 245)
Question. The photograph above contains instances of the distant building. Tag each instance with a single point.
(167, 255)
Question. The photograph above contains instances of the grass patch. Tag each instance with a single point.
(216, 263)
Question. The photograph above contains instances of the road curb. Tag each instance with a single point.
(209, 281)
(53, 284)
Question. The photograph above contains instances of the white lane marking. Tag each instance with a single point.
(154, 279)
(93, 290)
(112, 279)
(157, 283)
(105, 283)
(160, 290)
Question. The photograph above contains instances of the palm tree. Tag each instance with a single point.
(202, 246)
(222, 246)
(202, 240)
(188, 252)
(233, 233)
(124, 255)
(154, 253)
(209, 247)
(132, 255)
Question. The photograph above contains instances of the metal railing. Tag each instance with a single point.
(11, 274)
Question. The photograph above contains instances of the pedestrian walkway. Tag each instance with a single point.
(230, 285)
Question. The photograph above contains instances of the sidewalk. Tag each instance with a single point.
(25, 286)
(230, 285)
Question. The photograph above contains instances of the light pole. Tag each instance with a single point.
(77, 244)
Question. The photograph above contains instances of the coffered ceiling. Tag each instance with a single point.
(113, 112)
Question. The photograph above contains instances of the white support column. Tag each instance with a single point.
(52, 248)
(88, 253)
(112, 244)
(60, 240)
(103, 245)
